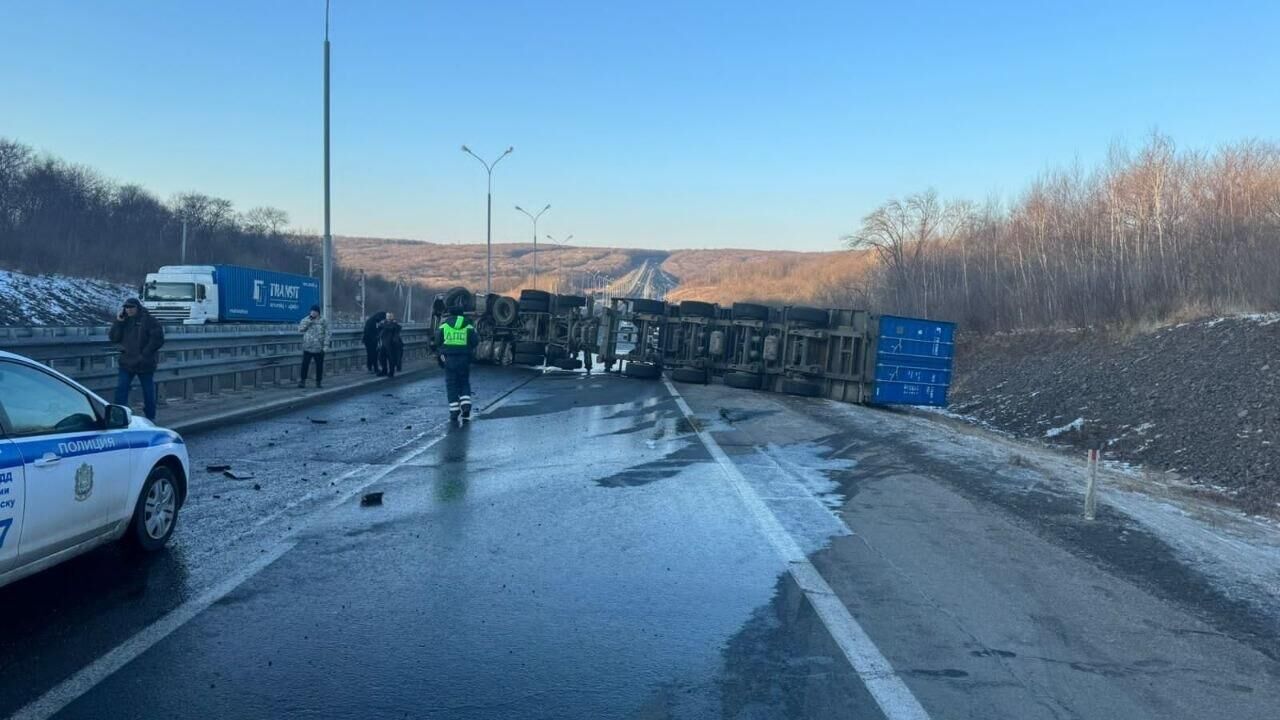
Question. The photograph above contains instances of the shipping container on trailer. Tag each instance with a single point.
(913, 361)
(254, 295)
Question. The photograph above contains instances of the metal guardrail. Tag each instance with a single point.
(201, 358)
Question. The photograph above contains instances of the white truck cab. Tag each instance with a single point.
(182, 293)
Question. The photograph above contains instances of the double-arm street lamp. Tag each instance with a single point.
(488, 223)
(559, 259)
(534, 219)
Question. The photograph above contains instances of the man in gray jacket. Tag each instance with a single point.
(315, 339)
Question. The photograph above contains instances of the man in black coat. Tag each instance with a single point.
(140, 337)
(390, 346)
(370, 340)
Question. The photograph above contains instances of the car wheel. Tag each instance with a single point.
(156, 514)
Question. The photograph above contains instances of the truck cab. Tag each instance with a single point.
(182, 293)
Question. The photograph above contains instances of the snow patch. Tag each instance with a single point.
(1075, 425)
(58, 299)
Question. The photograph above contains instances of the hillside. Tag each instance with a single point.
(58, 300)
(1196, 399)
(725, 276)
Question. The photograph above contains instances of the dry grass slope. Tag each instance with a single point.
(724, 276)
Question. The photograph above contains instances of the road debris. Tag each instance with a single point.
(371, 498)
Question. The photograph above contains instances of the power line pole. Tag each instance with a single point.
(328, 234)
(363, 312)
(184, 242)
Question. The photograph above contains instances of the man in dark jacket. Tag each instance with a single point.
(370, 340)
(390, 346)
(456, 339)
(140, 338)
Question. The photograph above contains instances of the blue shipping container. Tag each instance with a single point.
(253, 295)
(913, 361)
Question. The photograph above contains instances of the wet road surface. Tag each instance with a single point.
(581, 552)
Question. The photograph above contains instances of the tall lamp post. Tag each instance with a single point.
(559, 260)
(534, 219)
(488, 222)
(328, 235)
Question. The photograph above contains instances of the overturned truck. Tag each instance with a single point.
(847, 355)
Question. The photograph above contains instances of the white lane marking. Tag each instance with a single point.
(889, 691)
(88, 677)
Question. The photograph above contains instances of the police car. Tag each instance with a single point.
(77, 472)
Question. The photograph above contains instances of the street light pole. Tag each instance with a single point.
(534, 218)
(559, 259)
(488, 222)
(328, 234)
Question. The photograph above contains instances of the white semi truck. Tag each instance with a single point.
(198, 294)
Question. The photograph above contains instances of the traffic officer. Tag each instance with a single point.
(456, 339)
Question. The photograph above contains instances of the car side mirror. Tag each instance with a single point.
(119, 417)
(200, 292)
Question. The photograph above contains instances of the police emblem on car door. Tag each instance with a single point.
(84, 482)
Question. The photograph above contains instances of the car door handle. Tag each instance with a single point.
(47, 460)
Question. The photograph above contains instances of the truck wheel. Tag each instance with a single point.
(568, 364)
(530, 348)
(689, 375)
(568, 302)
(750, 311)
(156, 513)
(741, 380)
(809, 315)
(801, 387)
(693, 308)
(648, 307)
(644, 371)
(533, 306)
(524, 359)
(541, 296)
(459, 299)
(505, 311)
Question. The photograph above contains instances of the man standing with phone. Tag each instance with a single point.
(140, 337)
(315, 339)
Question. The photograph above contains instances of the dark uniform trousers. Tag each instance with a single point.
(457, 379)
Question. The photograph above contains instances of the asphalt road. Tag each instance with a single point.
(597, 547)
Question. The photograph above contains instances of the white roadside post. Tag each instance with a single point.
(1091, 490)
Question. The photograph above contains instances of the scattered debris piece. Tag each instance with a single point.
(237, 475)
(371, 498)
(256, 486)
(215, 467)
(319, 421)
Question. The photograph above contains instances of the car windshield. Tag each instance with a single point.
(171, 291)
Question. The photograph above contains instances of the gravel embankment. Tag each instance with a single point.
(1199, 399)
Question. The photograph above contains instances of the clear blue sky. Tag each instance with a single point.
(659, 124)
